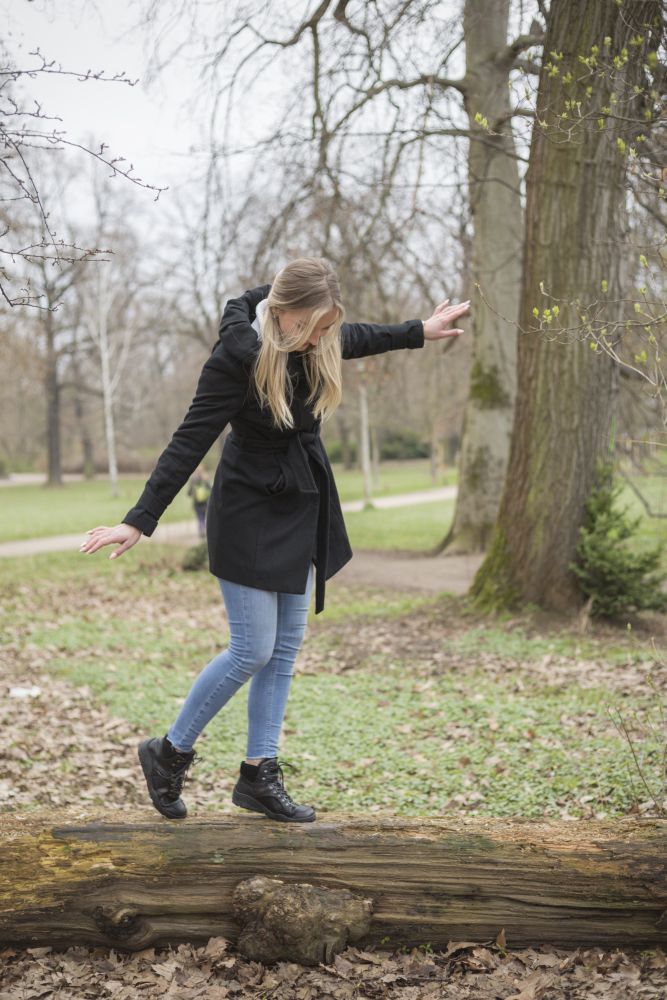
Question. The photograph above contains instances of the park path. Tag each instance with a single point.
(371, 567)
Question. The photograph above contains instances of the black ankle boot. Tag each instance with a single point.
(261, 789)
(165, 769)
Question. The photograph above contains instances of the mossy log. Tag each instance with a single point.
(122, 881)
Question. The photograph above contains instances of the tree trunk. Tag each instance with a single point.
(345, 444)
(81, 416)
(364, 437)
(375, 459)
(493, 180)
(127, 882)
(52, 392)
(575, 224)
(107, 396)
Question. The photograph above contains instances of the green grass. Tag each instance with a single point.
(395, 477)
(382, 735)
(417, 527)
(413, 747)
(39, 511)
(35, 512)
(518, 644)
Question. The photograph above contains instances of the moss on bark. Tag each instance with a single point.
(493, 588)
(487, 389)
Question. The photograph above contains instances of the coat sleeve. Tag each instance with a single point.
(361, 339)
(239, 312)
(219, 396)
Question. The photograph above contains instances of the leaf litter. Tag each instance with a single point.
(61, 721)
(214, 970)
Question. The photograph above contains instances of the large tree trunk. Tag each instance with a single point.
(575, 224)
(129, 883)
(493, 180)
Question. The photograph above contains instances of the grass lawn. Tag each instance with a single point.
(33, 511)
(418, 527)
(407, 704)
(38, 511)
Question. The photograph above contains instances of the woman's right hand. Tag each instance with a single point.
(123, 535)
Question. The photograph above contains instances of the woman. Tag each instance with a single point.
(274, 515)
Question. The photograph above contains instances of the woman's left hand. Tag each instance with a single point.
(437, 326)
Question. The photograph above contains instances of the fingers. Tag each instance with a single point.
(93, 544)
(452, 310)
(119, 551)
(98, 538)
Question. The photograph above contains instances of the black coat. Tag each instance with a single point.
(274, 505)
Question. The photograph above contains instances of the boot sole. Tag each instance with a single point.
(146, 761)
(246, 802)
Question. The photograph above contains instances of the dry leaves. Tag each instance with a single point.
(463, 970)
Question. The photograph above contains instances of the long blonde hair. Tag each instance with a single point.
(304, 283)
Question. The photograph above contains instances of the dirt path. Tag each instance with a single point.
(428, 574)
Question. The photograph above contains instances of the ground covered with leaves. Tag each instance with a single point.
(214, 971)
(405, 705)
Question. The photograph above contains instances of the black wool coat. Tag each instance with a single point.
(274, 505)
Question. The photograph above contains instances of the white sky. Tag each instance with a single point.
(147, 125)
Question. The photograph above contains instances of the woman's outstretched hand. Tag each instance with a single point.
(123, 535)
(437, 326)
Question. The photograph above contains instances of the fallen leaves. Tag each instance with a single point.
(464, 969)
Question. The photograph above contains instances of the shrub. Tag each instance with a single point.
(335, 451)
(609, 569)
(401, 445)
(195, 557)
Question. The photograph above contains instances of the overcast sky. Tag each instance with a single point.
(146, 124)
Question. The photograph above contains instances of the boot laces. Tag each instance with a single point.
(176, 772)
(275, 779)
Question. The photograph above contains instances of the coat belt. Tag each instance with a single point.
(299, 445)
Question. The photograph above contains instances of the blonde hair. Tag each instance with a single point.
(304, 283)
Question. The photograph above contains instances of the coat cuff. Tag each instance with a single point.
(415, 337)
(146, 513)
(141, 519)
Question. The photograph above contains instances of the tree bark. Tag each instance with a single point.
(575, 224)
(364, 437)
(345, 443)
(52, 392)
(497, 240)
(130, 883)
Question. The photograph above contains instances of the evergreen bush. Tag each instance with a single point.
(608, 565)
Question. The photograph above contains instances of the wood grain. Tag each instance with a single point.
(95, 878)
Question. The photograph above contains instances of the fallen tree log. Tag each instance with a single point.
(93, 878)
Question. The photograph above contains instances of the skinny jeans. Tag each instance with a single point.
(266, 630)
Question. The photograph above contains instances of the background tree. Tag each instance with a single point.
(30, 135)
(374, 168)
(595, 99)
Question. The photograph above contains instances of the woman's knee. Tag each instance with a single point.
(253, 651)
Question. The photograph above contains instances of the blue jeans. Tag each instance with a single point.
(266, 630)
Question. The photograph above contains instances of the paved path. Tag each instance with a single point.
(185, 531)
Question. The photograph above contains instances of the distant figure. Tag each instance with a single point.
(200, 490)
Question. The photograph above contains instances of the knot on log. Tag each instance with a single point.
(119, 923)
(296, 921)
